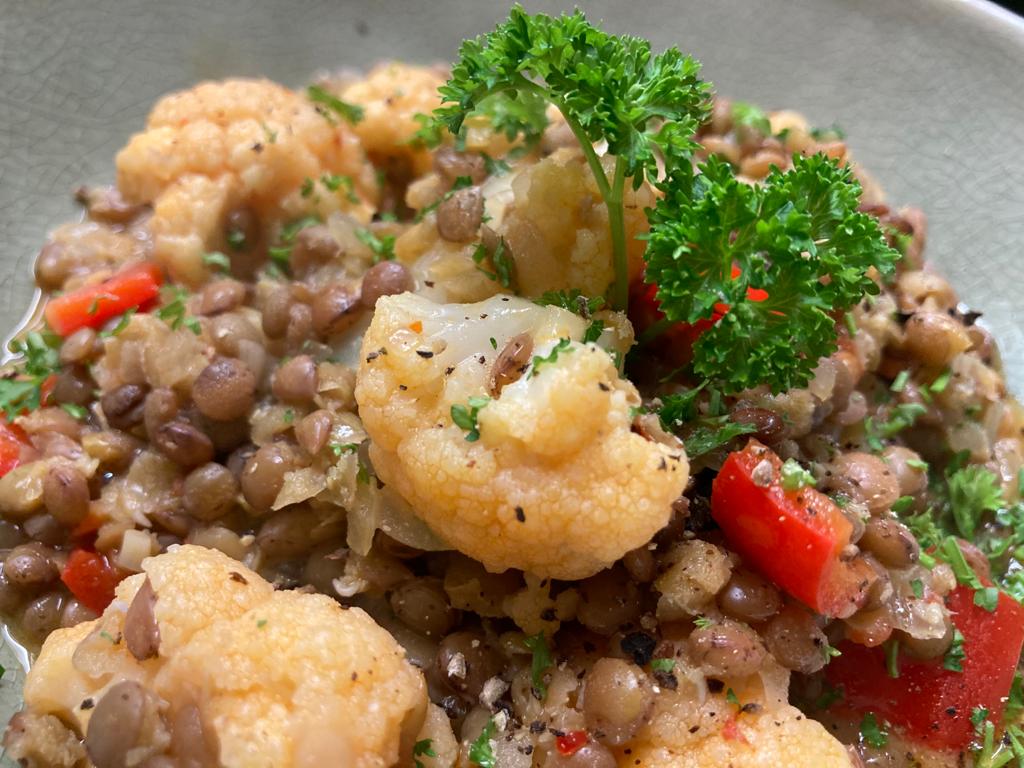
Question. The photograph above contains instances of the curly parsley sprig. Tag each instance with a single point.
(608, 87)
(798, 241)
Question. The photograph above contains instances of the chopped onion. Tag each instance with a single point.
(136, 546)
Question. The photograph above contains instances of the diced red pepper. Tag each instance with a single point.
(91, 578)
(931, 704)
(12, 441)
(93, 305)
(570, 743)
(794, 537)
(679, 338)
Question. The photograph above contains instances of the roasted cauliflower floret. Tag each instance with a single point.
(692, 729)
(391, 96)
(251, 144)
(556, 226)
(556, 484)
(267, 678)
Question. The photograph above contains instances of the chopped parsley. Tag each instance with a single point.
(339, 448)
(663, 665)
(480, 751)
(236, 239)
(872, 733)
(422, 748)
(575, 301)
(335, 181)
(551, 357)
(702, 622)
(75, 411)
(794, 477)
(218, 260)
(900, 382)
(40, 359)
(700, 434)
(350, 113)
(540, 663)
(954, 658)
(175, 313)
(502, 269)
(749, 116)
(382, 246)
(465, 416)
(121, 324)
(902, 416)
(732, 698)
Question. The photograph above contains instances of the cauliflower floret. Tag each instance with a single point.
(391, 96)
(280, 678)
(557, 484)
(557, 226)
(222, 145)
(688, 730)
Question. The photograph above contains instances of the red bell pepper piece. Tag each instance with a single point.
(572, 742)
(12, 441)
(679, 338)
(91, 578)
(931, 704)
(93, 305)
(793, 537)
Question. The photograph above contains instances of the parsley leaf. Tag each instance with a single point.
(795, 477)
(351, 113)
(465, 416)
(953, 660)
(500, 259)
(973, 491)
(663, 665)
(480, 751)
(541, 662)
(798, 241)
(711, 433)
(383, 246)
(22, 390)
(173, 312)
(422, 748)
(607, 87)
(750, 116)
(872, 733)
(218, 260)
(551, 357)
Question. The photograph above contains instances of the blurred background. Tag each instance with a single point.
(928, 91)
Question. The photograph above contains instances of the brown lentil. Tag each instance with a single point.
(66, 494)
(609, 601)
(451, 164)
(295, 381)
(28, 565)
(123, 406)
(459, 216)
(314, 246)
(141, 632)
(617, 700)
(795, 640)
(749, 597)
(423, 605)
(335, 309)
(221, 296)
(465, 661)
(386, 278)
(225, 389)
(313, 431)
(116, 725)
(263, 475)
(182, 443)
(726, 648)
(890, 541)
(209, 492)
